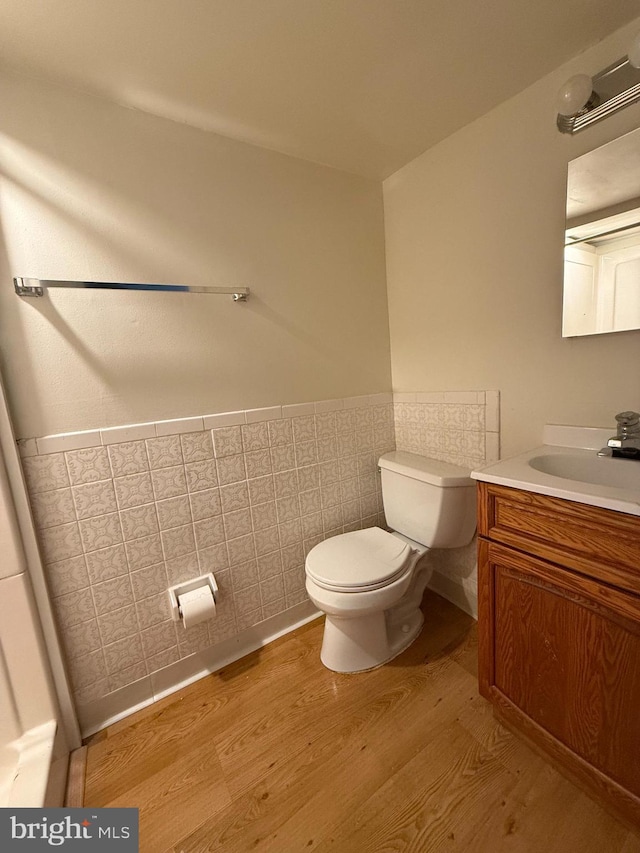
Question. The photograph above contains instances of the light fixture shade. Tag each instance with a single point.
(634, 52)
(574, 95)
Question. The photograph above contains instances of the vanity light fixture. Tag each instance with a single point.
(582, 100)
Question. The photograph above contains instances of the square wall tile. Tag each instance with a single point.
(306, 453)
(209, 531)
(163, 658)
(283, 457)
(174, 512)
(159, 637)
(244, 575)
(107, 563)
(123, 654)
(280, 432)
(74, 608)
(133, 490)
(180, 569)
(304, 428)
(144, 552)
(61, 542)
(139, 521)
(130, 457)
(178, 541)
(261, 489)
(83, 638)
(201, 475)
(266, 540)
(88, 465)
(257, 463)
(152, 610)
(68, 575)
(197, 446)
(231, 469)
(169, 482)
(53, 508)
(164, 452)
(263, 515)
(205, 504)
(290, 532)
(92, 499)
(45, 473)
(100, 532)
(237, 523)
(129, 675)
(241, 550)
(118, 624)
(150, 581)
(234, 496)
(227, 441)
(255, 436)
(112, 595)
(87, 669)
(213, 559)
(270, 565)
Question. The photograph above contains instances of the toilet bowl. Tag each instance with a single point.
(368, 582)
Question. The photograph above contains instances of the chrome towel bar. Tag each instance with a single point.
(37, 287)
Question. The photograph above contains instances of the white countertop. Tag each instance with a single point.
(518, 473)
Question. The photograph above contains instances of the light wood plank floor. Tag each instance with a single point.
(276, 753)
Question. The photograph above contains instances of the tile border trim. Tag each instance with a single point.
(66, 441)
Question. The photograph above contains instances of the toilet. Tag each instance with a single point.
(369, 582)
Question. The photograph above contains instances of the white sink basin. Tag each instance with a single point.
(572, 473)
(594, 469)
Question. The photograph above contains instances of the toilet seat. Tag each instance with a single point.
(359, 561)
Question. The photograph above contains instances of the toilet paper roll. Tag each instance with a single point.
(196, 606)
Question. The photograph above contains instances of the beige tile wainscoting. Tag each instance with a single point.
(462, 427)
(121, 514)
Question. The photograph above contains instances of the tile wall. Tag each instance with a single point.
(461, 427)
(121, 514)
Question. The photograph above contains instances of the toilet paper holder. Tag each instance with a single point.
(207, 580)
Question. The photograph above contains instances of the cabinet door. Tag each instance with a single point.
(562, 652)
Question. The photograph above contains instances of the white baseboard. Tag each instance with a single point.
(464, 597)
(121, 703)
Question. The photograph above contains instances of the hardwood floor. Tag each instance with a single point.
(276, 753)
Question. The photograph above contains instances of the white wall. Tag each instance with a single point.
(91, 190)
(474, 241)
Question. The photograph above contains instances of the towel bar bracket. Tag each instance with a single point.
(26, 289)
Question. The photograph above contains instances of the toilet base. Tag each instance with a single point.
(366, 642)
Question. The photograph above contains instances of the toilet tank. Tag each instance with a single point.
(431, 502)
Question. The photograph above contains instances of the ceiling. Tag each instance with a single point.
(361, 85)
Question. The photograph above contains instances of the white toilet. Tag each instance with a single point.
(368, 582)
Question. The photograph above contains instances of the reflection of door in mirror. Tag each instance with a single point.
(602, 240)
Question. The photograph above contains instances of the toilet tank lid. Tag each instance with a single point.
(442, 474)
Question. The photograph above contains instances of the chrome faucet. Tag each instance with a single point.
(625, 444)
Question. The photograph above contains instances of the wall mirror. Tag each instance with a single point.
(602, 240)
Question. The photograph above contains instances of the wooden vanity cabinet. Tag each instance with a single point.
(559, 630)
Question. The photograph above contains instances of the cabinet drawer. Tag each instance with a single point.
(596, 542)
